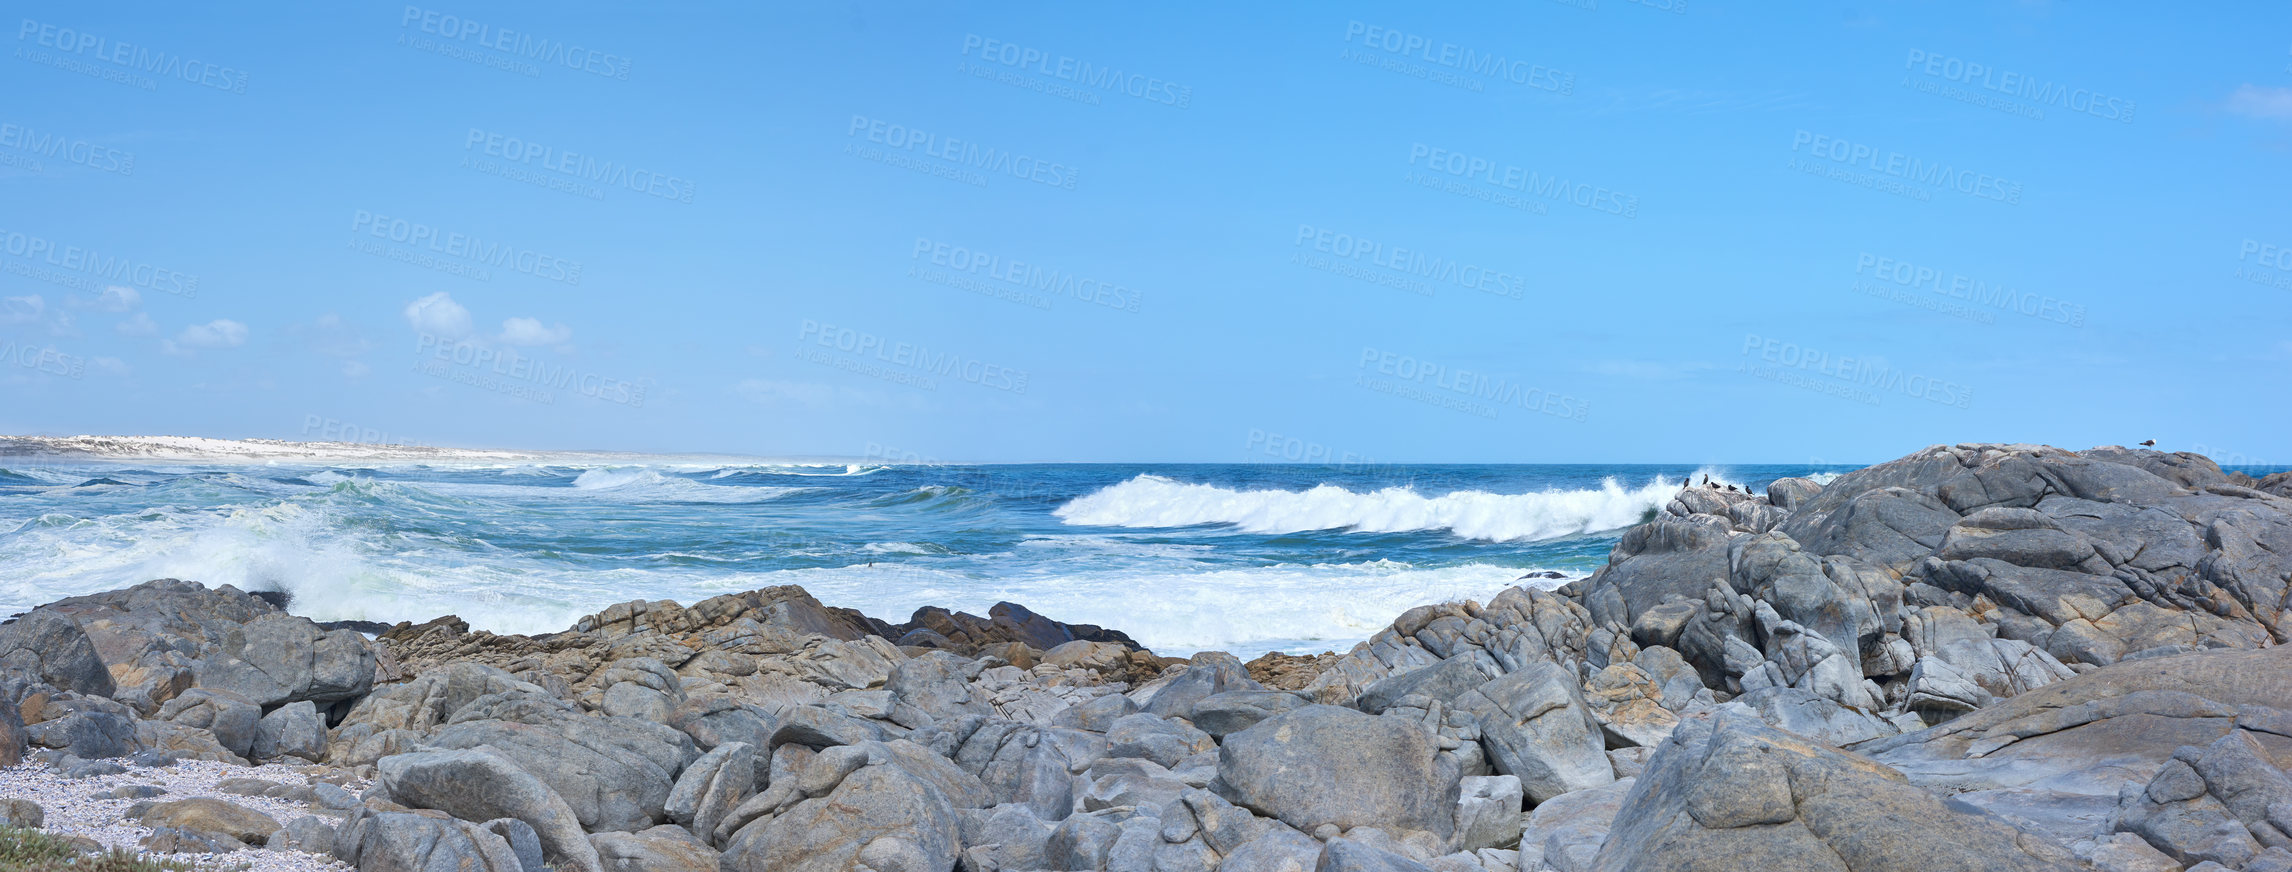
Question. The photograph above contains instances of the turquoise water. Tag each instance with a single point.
(1244, 558)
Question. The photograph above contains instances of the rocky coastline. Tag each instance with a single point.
(1976, 657)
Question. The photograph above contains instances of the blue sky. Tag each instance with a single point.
(1526, 232)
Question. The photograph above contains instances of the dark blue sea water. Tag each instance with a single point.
(1244, 558)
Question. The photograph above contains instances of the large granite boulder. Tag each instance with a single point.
(615, 773)
(1535, 725)
(478, 785)
(395, 840)
(52, 647)
(877, 817)
(1729, 792)
(2057, 758)
(1325, 765)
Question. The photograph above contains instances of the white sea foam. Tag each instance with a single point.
(639, 485)
(1155, 501)
(1248, 611)
(337, 571)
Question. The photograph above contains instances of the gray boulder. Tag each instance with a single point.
(53, 648)
(712, 787)
(309, 833)
(522, 841)
(936, 684)
(615, 773)
(1280, 849)
(88, 730)
(879, 817)
(235, 721)
(21, 813)
(1443, 682)
(420, 841)
(2057, 758)
(1211, 672)
(1031, 765)
(1802, 713)
(291, 730)
(2223, 802)
(1223, 714)
(1099, 714)
(660, 849)
(1004, 837)
(1348, 855)
(1730, 792)
(1488, 811)
(279, 658)
(1329, 766)
(479, 785)
(1166, 742)
(1535, 725)
(209, 815)
(1565, 833)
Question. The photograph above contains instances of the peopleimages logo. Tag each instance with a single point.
(1857, 379)
(507, 371)
(1512, 177)
(2265, 254)
(1897, 165)
(124, 56)
(56, 146)
(88, 269)
(476, 251)
(514, 44)
(907, 362)
(2018, 85)
(1077, 72)
(1021, 276)
(1451, 56)
(1440, 383)
(1951, 284)
(1405, 263)
(577, 165)
(956, 155)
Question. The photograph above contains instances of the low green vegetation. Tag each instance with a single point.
(29, 850)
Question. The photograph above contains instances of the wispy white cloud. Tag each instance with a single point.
(438, 315)
(2267, 104)
(137, 327)
(22, 310)
(217, 334)
(530, 331)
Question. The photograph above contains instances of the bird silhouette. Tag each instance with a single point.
(2148, 443)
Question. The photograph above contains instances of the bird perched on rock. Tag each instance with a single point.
(2148, 443)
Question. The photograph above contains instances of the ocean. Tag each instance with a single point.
(1184, 557)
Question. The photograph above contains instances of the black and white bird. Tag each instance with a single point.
(2148, 443)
